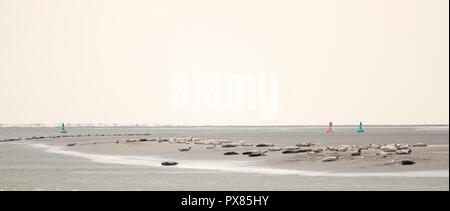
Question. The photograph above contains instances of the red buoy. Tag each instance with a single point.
(330, 130)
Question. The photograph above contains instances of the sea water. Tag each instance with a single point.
(31, 165)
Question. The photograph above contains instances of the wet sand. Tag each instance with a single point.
(433, 157)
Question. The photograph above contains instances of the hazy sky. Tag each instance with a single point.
(114, 61)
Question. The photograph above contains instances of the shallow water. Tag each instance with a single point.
(25, 167)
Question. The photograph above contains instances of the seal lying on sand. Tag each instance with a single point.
(403, 152)
(184, 149)
(231, 153)
(290, 148)
(250, 152)
(131, 141)
(265, 145)
(163, 140)
(274, 149)
(357, 153)
(304, 150)
(408, 162)
(306, 144)
(257, 154)
(330, 158)
(229, 145)
(290, 151)
(420, 145)
(298, 150)
(169, 163)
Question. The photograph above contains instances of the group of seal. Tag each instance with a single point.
(33, 138)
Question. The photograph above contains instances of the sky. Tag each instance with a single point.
(211, 62)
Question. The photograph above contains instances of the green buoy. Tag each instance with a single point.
(360, 130)
(63, 130)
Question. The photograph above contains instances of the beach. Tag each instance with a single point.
(158, 145)
(432, 157)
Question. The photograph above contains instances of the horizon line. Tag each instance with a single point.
(187, 125)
